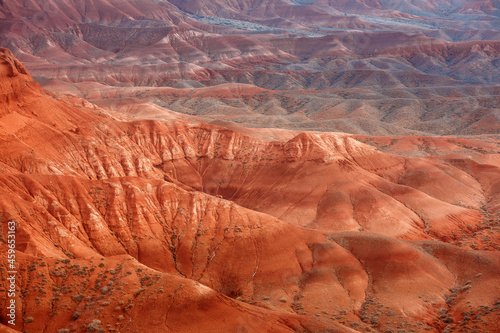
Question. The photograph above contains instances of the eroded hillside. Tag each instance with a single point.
(119, 220)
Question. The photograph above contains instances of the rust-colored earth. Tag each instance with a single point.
(363, 67)
(127, 225)
(251, 166)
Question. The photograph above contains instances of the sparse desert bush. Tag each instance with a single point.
(94, 325)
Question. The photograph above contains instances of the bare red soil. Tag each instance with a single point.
(142, 225)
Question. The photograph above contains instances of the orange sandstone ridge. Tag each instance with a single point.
(174, 226)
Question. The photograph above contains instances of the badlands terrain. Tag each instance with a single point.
(251, 166)
(387, 67)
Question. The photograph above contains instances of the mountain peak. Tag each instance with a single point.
(11, 67)
(14, 77)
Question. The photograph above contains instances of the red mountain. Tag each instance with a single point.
(143, 225)
(363, 67)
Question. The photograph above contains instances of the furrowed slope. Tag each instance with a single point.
(415, 68)
(117, 217)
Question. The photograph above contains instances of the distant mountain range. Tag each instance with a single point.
(410, 67)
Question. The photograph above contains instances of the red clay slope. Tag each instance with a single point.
(121, 227)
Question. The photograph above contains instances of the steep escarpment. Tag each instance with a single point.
(307, 180)
(129, 225)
